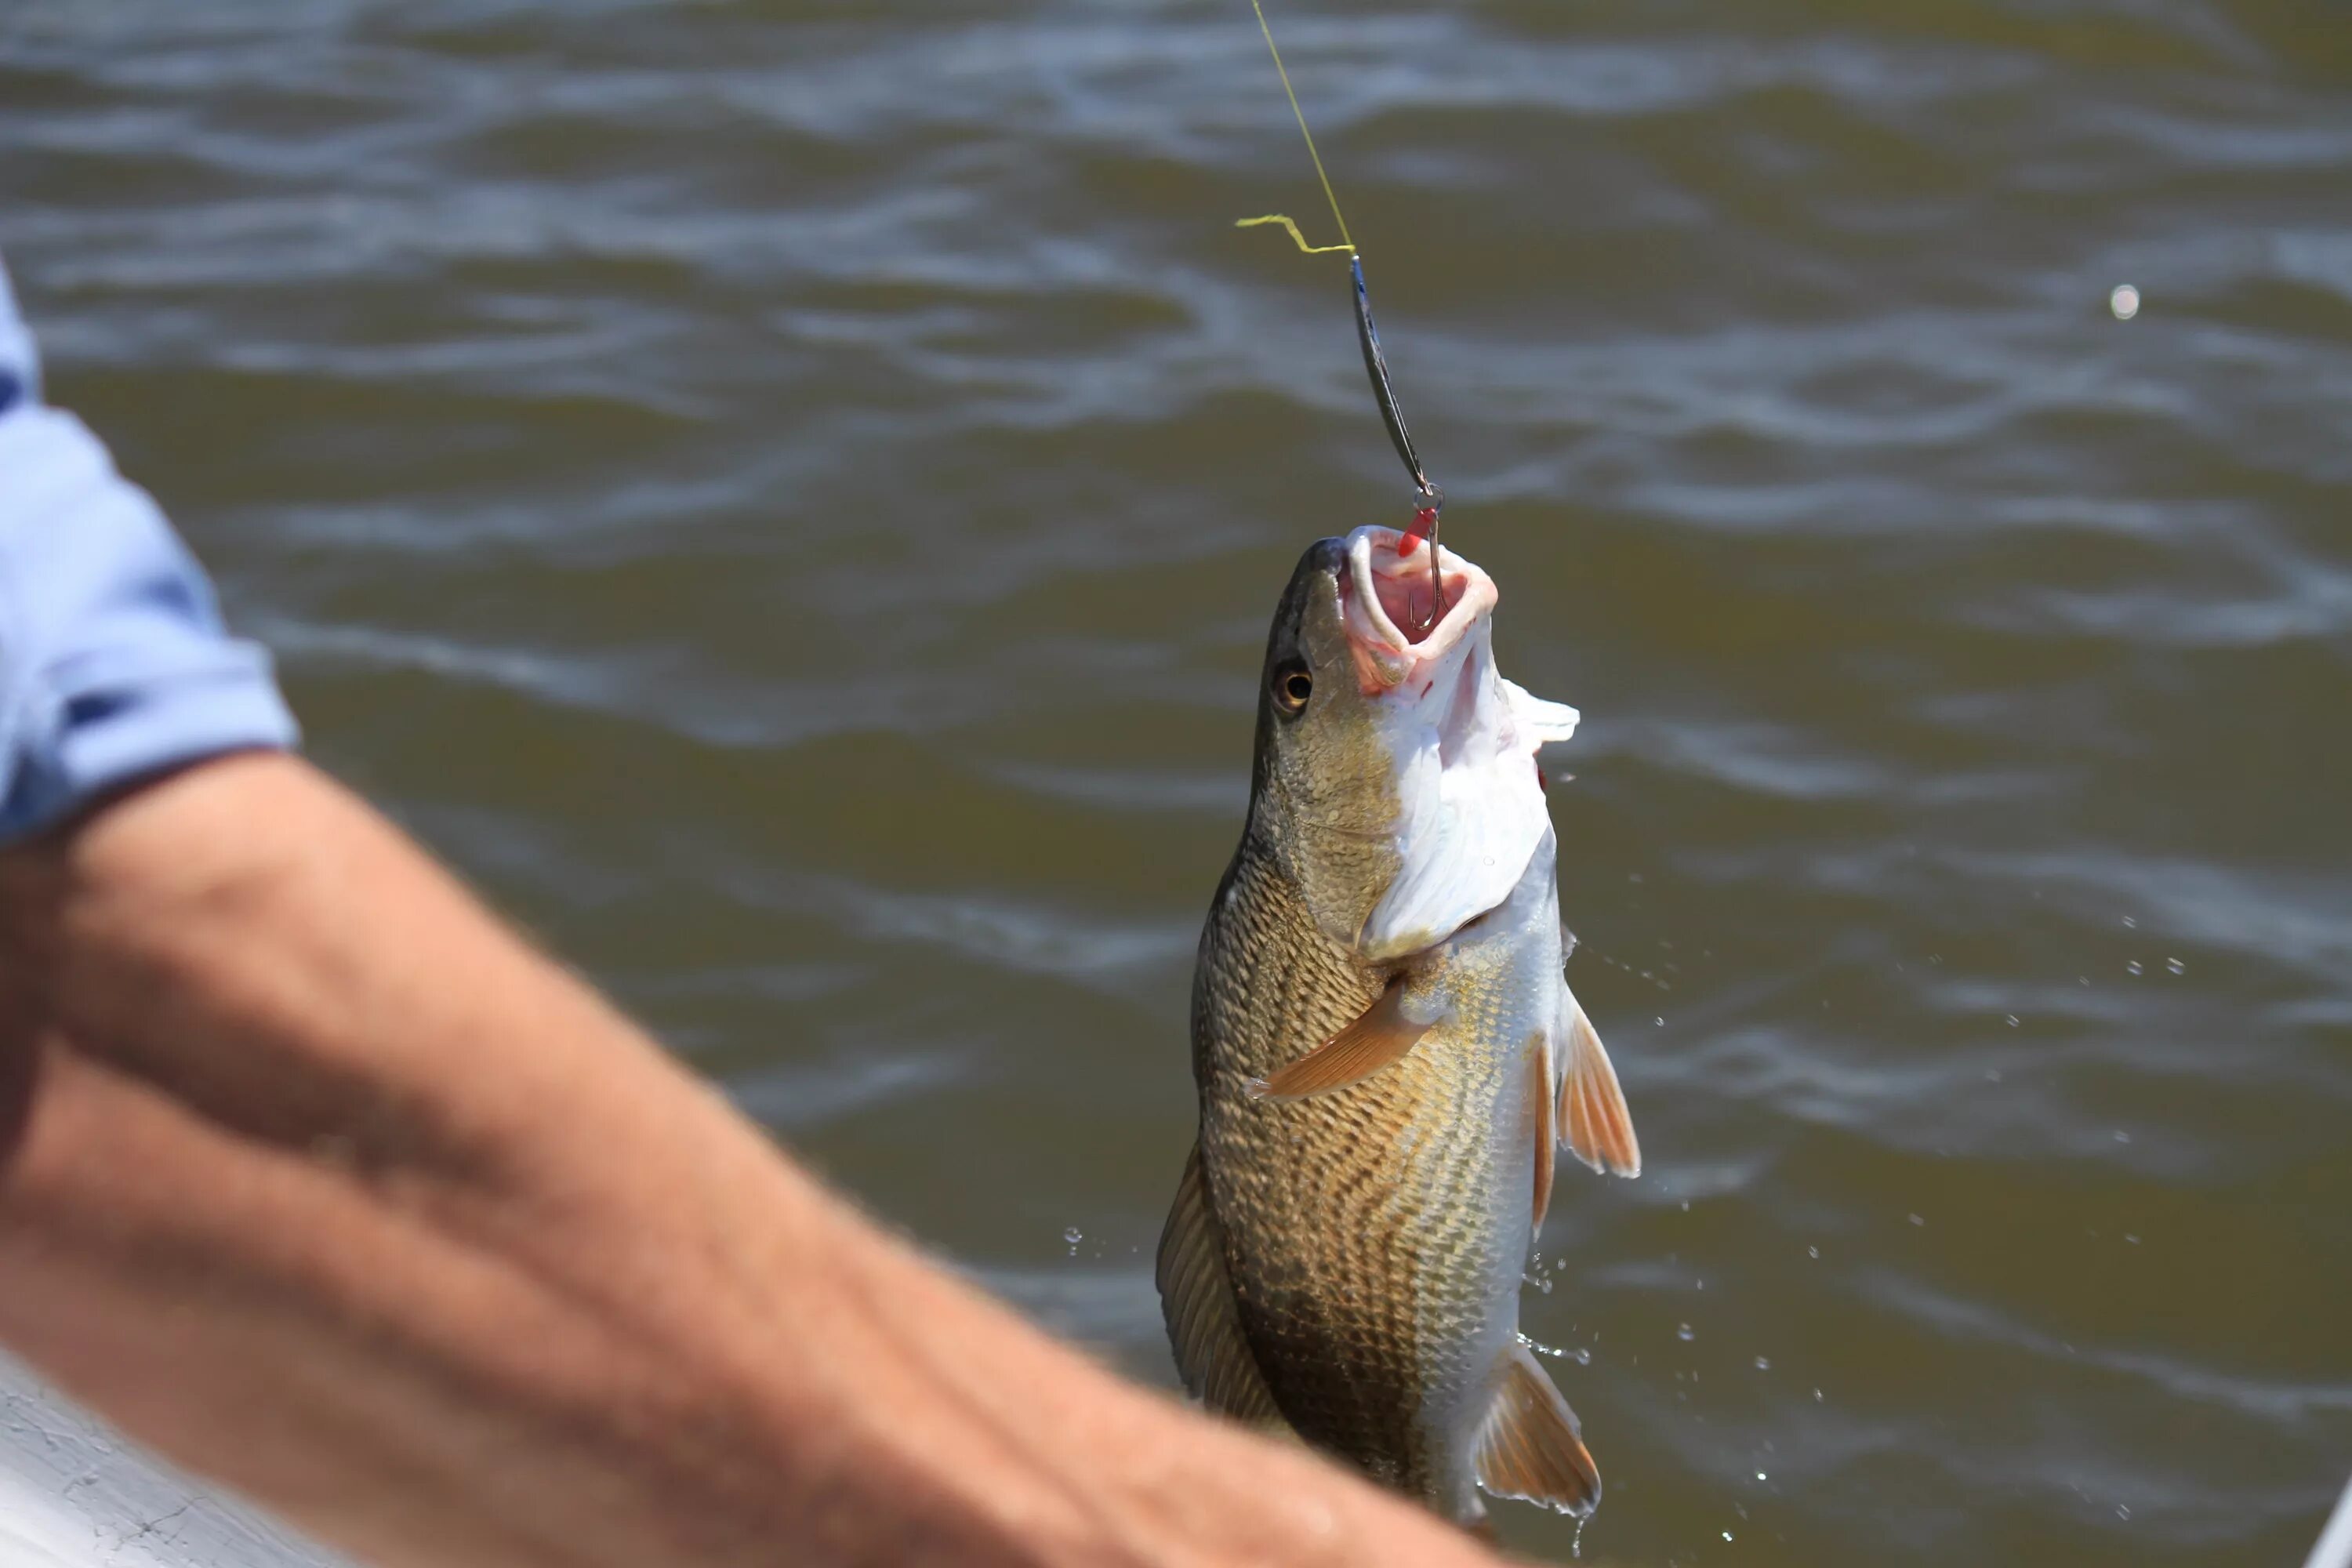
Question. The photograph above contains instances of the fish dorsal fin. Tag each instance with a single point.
(1530, 1447)
(1540, 1100)
(1593, 1118)
(1205, 1324)
(1378, 1038)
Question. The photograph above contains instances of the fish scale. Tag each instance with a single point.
(1358, 1226)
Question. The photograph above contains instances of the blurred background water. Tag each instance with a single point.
(787, 498)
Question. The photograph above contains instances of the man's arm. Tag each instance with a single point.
(316, 1179)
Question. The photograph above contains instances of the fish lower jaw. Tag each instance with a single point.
(1387, 603)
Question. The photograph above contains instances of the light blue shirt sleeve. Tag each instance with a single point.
(113, 662)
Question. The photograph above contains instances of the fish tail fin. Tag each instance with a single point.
(1593, 1120)
(1530, 1447)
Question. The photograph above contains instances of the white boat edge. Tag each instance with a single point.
(75, 1494)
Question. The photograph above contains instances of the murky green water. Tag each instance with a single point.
(787, 498)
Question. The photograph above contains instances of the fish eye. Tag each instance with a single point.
(1292, 687)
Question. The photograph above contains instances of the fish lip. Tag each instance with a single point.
(1385, 656)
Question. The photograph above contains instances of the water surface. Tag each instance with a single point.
(787, 498)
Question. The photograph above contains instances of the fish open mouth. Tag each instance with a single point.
(1385, 600)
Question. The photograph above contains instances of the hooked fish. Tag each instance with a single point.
(1387, 1051)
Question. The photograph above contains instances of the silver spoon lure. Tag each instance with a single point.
(1428, 501)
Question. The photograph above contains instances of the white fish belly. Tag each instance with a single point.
(1507, 975)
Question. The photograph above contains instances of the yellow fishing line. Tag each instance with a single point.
(1299, 238)
(1347, 241)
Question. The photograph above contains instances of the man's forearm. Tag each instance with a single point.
(313, 1177)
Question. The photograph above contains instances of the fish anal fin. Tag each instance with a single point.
(1204, 1326)
(1379, 1037)
(1530, 1447)
(1593, 1117)
(1547, 1125)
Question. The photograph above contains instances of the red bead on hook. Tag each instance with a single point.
(1424, 524)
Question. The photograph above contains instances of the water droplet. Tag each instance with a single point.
(2130, 925)
(2123, 1511)
(1662, 1023)
(2123, 303)
(2122, 1136)
(1762, 1477)
(1727, 1535)
(2012, 1020)
(2131, 1239)
(1074, 1235)
(1583, 1356)
(2175, 965)
(1763, 1364)
(1992, 1075)
(1576, 1545)
(1686, 1206)
(1813, 1252)
(1686, 1333)
(1916, 1220)
(1817, 1396)
(2133, 967)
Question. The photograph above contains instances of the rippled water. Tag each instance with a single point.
(787, 498)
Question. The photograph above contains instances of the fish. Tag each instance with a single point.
(1387, 1052)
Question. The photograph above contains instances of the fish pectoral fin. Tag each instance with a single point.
(1204, 1321)
(1593, 1118)
(1379, 1038)
(1530, 1447)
